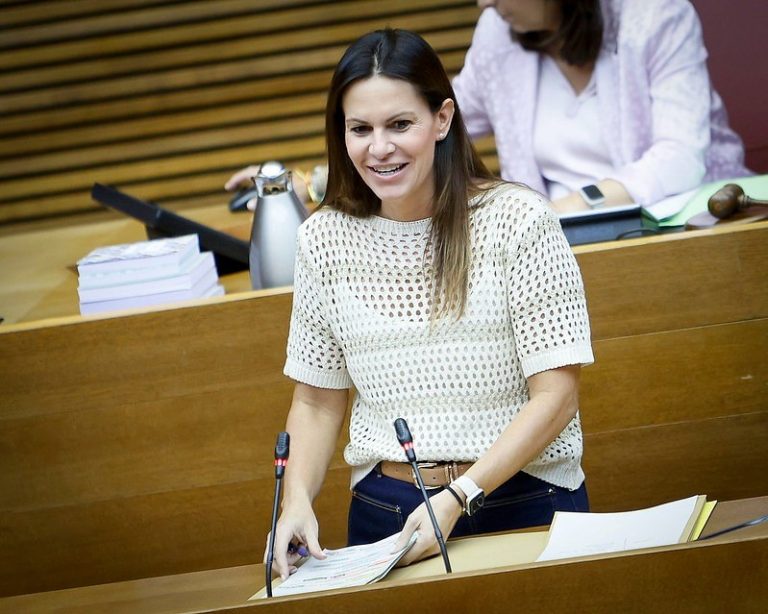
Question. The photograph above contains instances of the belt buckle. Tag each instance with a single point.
(423, 465)
(452, 471)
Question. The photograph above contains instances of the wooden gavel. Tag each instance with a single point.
(729, 199)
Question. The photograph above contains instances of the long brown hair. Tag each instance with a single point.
(404, 55)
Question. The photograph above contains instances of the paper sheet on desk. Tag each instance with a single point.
(352, 566)
(582, 534)
(668, 207)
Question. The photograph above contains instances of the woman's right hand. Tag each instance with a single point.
(298, 526)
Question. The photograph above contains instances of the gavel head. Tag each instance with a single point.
(726, 201)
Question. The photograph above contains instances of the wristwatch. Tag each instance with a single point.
(592, 196)
(475, 496)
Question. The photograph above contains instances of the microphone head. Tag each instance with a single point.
(405, 439)
(282, 447)
(403, 432)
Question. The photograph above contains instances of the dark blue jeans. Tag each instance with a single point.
(381, 505)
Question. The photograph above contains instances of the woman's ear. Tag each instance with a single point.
(445, 117)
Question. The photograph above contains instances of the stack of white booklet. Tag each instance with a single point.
(575, 534)
(146, 273)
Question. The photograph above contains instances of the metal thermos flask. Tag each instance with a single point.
(276, 219)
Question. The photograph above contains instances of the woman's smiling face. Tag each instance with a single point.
(390, 135)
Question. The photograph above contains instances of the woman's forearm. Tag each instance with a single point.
(314, 423)
(614, 191)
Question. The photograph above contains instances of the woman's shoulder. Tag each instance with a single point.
(642, 21)
(321, 220)
(512, 207)
(321, 225)
(509, 196)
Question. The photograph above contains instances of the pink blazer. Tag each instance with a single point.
(666, 130)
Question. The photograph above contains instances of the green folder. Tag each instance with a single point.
(755, 186)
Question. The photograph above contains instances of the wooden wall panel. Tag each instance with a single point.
(158, 355)
(660, 284)
(722, 458)
(675, 376)
(147, 451)
(153, 534)
(262, 36)
(94, 94)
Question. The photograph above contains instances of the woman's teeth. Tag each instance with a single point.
(387, 170)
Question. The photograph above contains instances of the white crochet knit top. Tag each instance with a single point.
(361, 318)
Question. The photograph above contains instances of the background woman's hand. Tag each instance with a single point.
(241, 180)
(447, 514)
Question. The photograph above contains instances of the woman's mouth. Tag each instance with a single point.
(387, 170)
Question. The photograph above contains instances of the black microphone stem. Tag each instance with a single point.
(406, 440)
(282, 450)
(271, 547)
(438, 532)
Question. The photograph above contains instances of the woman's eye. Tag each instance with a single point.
(360, 130)
(401, 124)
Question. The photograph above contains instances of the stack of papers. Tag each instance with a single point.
(146, 273)
(352, 566)
(583, 534)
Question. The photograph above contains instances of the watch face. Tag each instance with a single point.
(475, 503)
(592, 192)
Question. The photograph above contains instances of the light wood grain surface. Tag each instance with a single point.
(140, 444)
(724, 573)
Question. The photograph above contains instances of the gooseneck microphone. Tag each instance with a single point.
(405, 439)
(281, 460)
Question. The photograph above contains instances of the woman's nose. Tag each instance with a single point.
(380, 146)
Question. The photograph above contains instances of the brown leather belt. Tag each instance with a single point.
(434, 475)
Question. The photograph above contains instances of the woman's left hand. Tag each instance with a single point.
(447, 513)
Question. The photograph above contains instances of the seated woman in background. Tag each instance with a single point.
(613, 94)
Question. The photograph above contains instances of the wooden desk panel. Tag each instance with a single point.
(137, 445)
(724, 458)
(676, 281)
(691, 374)
(725, 574)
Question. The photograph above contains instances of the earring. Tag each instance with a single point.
(440, 136)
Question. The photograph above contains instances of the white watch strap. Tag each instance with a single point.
(467, 485)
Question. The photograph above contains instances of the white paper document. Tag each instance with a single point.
(667, 207)
(583, 534)
(352, 566)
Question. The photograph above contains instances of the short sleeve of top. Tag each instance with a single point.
(546, 295)
(314, 355)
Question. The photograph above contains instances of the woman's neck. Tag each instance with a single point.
(577, 76)
(406, 212)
